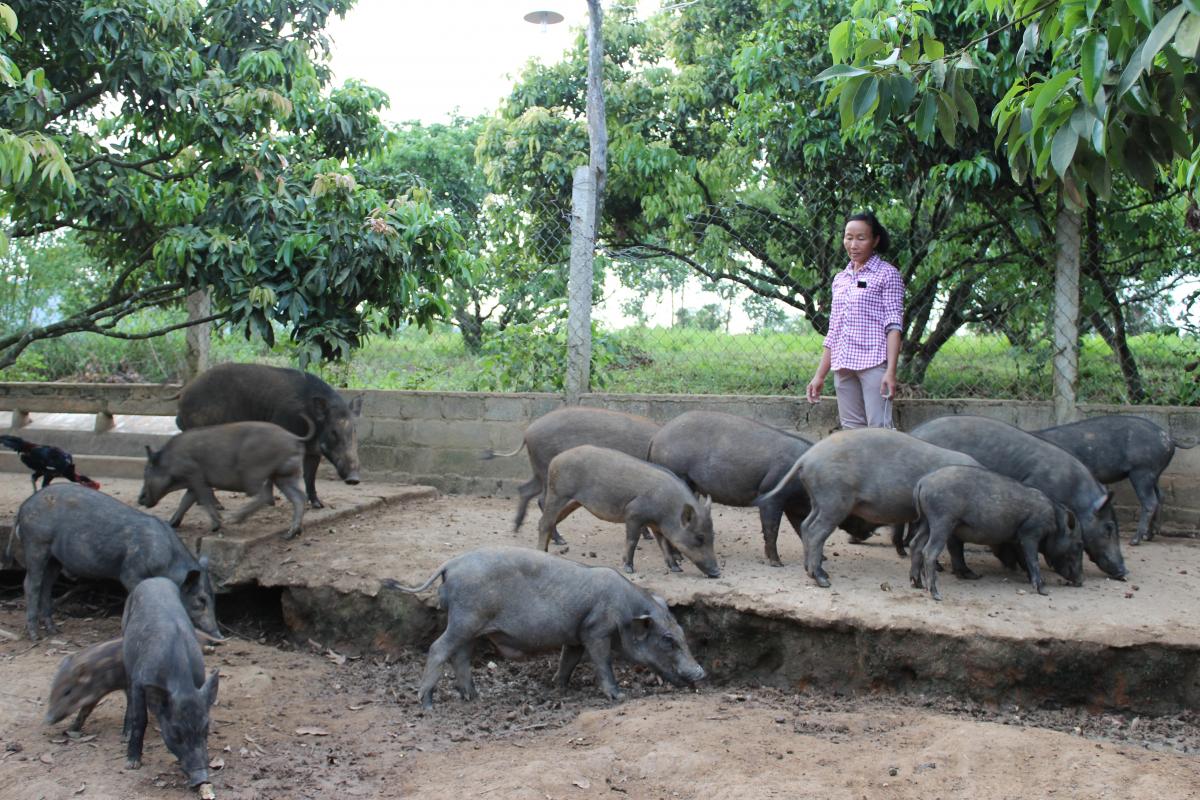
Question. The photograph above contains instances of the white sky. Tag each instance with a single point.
(434, 57)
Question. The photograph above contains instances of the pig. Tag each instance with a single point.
(620, 488)
(733, 460)
(165, 674)
(1115, 447)
(238, 456)
(973, 504)
(527, 602)
(67, 527)
(1036, 462)
(868, 472)
(261, 393)
(564, 428)
(83, 679)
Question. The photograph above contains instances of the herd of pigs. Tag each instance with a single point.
(249, 428)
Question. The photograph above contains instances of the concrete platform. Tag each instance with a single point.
(1131, 645)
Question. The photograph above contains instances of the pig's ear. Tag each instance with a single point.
(356, 405)
(156, 698)
(1102, 502)
(151, 456)
(689, 513)
(191, 580)
(210, 687)
(641, 625)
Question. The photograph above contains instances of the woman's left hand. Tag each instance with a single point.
(887, 386)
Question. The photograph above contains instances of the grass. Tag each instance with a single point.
(640, 360)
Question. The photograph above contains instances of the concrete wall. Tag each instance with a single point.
(436, 438)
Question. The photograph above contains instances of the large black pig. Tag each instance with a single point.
(1035, 462)
(1115, 447)
(257, 392)
(735, 460)
(69, 528)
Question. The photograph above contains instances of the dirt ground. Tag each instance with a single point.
(301, 720)
(308, 722)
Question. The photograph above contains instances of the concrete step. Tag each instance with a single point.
(94, 466)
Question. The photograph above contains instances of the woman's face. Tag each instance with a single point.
(859, 241)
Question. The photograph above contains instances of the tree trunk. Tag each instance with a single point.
(1066, 313)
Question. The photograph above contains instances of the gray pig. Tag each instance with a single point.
(237, 456)
(526, 602)
(1036, 462)
(973, 504)
(257, 392)
(94, 536)
(620, 488)
(166, 675)
(1116, 447)
(564, 428)
(868, 472)
(734, 460)
(83, 679)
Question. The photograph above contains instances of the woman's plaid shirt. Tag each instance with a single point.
(866, 305)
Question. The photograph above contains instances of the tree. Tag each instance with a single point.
(507, 274)
(207, 151)
(1091, 90)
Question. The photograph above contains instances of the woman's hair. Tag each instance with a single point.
(877, 229)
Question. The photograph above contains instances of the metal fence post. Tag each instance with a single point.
(1066, 314)
(579, 283)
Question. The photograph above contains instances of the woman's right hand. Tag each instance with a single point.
(813, 390)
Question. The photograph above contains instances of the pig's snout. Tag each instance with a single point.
(352, 479)
(696, 675)
(197, 776)
(713, 571)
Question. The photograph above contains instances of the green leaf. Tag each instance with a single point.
(925, 118)
(1161, 34)
(903, 91)
(1187, 38)
(9, 18)
(1063, 149)
(869, 47)
(865, 97)
(1095, 63)
(1047, 93)
(839, 71)
(1143, 10)
(934, 50)
(947, 117)
(965, 102)
(839, 41)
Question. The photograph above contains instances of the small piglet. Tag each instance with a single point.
(83, 679)
(529, 602)
(166, 675)
(620, 488)
(238, 456)
(69, 528)
(972, 504)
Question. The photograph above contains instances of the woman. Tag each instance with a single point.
(863, 343)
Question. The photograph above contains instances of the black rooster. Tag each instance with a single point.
(47, 462)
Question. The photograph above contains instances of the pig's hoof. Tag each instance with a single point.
(936, 595)
(774, 562)
(133, 763)
(628, 568)
(966, 574)
(315, 503)
(821, 579)
(558, 539)
(292, 534)
(676, 568)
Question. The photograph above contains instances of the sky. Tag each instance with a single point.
(434, 57)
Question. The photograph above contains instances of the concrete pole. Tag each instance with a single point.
(1066, 314)
(596, 114)
(579, 284)
(199, 306)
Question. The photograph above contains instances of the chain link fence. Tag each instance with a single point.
(735, 300)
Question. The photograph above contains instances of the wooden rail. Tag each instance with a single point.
(102, 399)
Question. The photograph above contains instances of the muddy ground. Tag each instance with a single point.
(299, 719)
